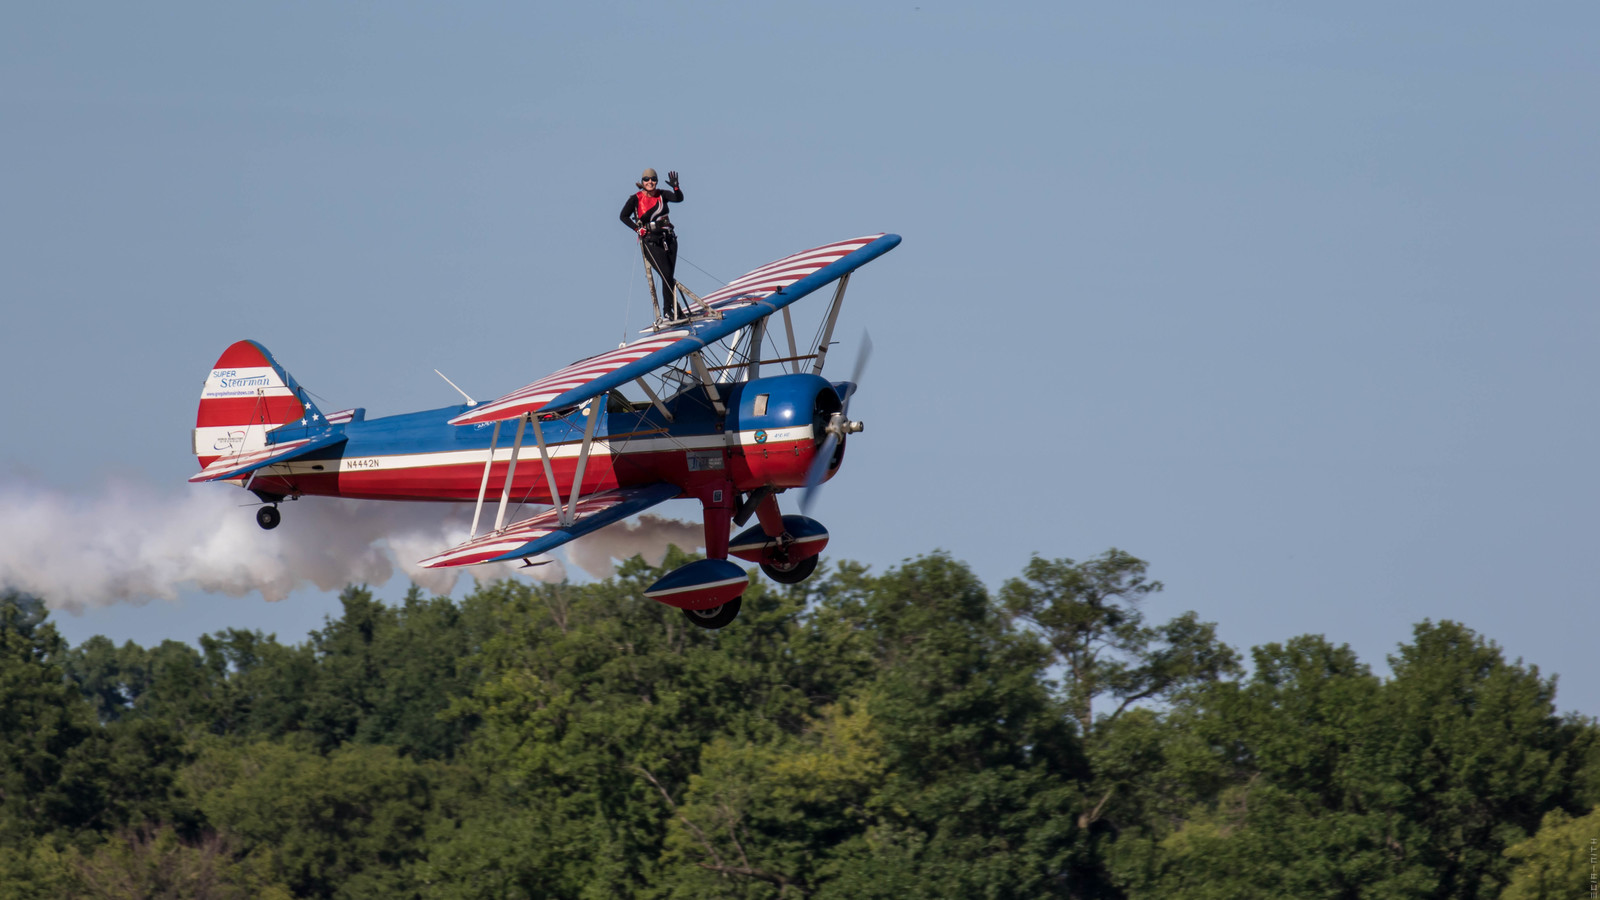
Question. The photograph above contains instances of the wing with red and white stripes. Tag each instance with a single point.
(544, 532)
(780, 274)
(536, 396)
(746, 300)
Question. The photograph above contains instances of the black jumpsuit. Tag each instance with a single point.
(660, 241)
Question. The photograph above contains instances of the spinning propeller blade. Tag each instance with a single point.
(819, 468)
(862, 356)
(839, 425)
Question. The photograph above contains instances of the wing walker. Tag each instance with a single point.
(720, 406)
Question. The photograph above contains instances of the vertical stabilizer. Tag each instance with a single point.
(246, 395)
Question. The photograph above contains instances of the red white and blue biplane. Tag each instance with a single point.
(712, 429)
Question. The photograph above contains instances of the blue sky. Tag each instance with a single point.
(1297, 304)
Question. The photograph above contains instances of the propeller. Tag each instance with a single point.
(838, 426)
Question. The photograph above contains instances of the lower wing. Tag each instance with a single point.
(544, 532)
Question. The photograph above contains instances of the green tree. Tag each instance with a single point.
(387, 675)
(50, 743)
(1478, 755)
(589, 693)
(981, 757)
(1276, 817)
(110, 676)
(952, 768)
(1334, 783)
(35, 870)
(426, 664)
(346, 824)
(266, 683)
(139, 863)
(60, 771)
(66, 781)
(772, 813)
(1089, 614)
(858, 735)
(1558, 862)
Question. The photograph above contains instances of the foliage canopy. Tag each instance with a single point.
(860, 735)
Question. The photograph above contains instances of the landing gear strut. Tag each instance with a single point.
(268, 517)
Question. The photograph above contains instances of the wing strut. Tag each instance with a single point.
(660, 407)
(511, 470)
(833, 316)
(758, 334)
(544, 454)
(483, 488)
(724, 371)
(704, 374)
(794, 352)
(567, 511)
(570, 514)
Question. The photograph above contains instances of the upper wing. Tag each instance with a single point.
(785, 273)
(225, 467)
(650, 353)
(747, 299)
(543, 532)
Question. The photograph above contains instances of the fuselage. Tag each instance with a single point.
(766, 436)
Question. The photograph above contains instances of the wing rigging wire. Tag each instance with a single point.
(627, 307)
(702, 271)
(771, 340)
(257, 413)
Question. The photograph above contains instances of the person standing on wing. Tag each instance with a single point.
(646, 213)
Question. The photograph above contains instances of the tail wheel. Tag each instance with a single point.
(716, 616)
(268, 517)
(790, 573)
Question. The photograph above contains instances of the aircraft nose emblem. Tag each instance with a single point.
(761, 436)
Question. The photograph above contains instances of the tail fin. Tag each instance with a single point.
(246, 395)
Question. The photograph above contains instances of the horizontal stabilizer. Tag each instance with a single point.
(226, 467)
(544, 532)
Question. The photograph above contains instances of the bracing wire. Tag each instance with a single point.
(627, 308)
(771, 339)
(682, 258)
(326, 403)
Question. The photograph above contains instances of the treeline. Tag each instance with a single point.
(894, 735)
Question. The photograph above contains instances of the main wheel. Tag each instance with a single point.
(791, 573)
(267, 517)
(716, 616)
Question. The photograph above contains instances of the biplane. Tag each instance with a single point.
(705, 423)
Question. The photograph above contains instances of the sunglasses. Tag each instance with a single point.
(652, 180)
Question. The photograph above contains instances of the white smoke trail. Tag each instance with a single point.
(133, 543)
(648, 536)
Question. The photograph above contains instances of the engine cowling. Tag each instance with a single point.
(779, 422)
